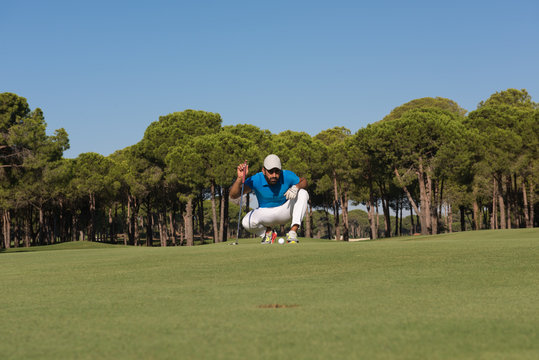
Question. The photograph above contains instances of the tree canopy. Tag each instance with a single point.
(427, 156)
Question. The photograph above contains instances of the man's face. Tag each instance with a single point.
(272, 176)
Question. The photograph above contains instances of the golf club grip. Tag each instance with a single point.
(244, 168)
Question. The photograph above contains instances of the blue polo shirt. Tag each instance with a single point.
(271, 195)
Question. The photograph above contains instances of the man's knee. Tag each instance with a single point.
(303, 195)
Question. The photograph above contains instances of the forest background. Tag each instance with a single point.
(428, 167)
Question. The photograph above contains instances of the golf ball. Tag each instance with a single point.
(281, 241)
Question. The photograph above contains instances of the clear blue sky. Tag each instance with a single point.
(104, 70)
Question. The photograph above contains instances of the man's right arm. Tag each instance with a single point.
(235, 189)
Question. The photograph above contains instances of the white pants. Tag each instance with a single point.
(256, 221)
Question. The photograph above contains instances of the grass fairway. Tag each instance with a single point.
(472, 295)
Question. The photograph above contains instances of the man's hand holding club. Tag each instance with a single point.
(243, 170)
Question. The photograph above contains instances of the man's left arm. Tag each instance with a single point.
(292, 192)
(302, 183)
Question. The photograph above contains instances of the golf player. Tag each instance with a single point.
(281, 198)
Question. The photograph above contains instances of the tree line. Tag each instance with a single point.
(428, 159)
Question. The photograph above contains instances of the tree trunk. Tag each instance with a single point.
(162, 226)
(434, 224)
(172, 225)
(476, 212)
(450, 217)
(111, 226)
(328, 224)
(526, 208)
(411, 200)
(226, 223)
(136, 224)
(130, 221)
(503, 224)
(377, 218)
(181, 231)
(440, 202)
(397, 206)
(532, 203)
(136, 230)
(308, 222)
(494, 214)
(61, 231)
(53, 228)
(336, 207)
(462, 218)
(27, 233)
(201, 217)
(222, 216)
(6, 228)
(425, 213)
(91, 225)
(16, 231)
(519, 215)
(413, 229)
(214, 214)
(372, 220)
(41, 230)
(387, 218)
(428, 203)
(508, 196)
(188, 222)
(74, 227)
(149, 225)
(345, 234)
(400, 217)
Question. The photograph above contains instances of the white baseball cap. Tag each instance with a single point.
(272, 161)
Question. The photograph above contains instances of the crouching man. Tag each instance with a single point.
(281, 198)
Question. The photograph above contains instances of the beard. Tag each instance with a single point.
(272, 181)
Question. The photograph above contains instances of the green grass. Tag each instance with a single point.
(472, 295)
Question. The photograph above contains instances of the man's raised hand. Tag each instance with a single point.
(243, 170)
